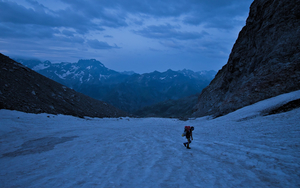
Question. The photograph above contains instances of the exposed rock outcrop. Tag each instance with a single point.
(264, 62)
(25, 90)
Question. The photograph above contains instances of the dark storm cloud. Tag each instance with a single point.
(217, 14)
(107, 12)
(11, 12)
(91, 15)
(95, 44)
(68, 33)
(213, 13)
(108, 36)
(10, 30)
(63, 29)
(70, 39)
(157, 8)
(14, 13)
(171, 44)
(31, 32)
(168, 31)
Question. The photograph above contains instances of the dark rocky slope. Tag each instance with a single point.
(25, 90)
(264, 62)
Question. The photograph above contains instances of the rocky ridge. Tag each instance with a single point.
(25, 90)
(264, 61)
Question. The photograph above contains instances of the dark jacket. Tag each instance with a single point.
(189, 134)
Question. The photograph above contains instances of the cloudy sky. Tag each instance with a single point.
(125, 35)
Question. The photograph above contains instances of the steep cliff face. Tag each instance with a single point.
(264, 61)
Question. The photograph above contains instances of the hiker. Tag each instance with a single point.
(188, 133)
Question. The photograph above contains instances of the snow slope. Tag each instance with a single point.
(241, 149)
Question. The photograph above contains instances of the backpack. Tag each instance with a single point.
(186, 129)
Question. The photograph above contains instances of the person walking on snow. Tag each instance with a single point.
(188, 132)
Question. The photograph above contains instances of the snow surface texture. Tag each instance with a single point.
(241, 149)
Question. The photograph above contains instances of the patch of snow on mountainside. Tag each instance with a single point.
(259, 108)
(64, 75)
(74, 68)
(89, 78)
(60, 76)
(77, 75)
(103, 76)
(41, 66)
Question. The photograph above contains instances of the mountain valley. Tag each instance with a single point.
(128, 91)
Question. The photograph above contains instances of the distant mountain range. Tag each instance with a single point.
(128, 91)
(25, 90)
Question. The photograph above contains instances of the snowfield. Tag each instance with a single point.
(241, 149)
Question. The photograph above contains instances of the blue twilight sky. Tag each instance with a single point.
(125, 35)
